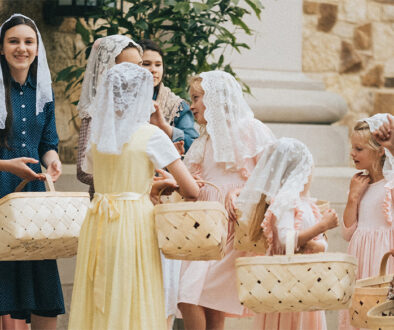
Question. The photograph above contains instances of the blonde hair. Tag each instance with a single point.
(195, 83)
(362, 129)
(255, 229)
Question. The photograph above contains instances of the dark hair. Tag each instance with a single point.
(17, 20)
(132, 45)
(147, 44)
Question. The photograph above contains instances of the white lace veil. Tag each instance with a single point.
(123, 103)
(374, 123)
(43, 81)
(101, 59)
(281, 174)
(236, 135)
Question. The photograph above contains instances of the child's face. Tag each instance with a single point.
(363, 156)
(153, 61)
(20, 47)
(130, 55)
(197, 106)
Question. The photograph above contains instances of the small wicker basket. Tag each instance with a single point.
(192, 230)
(381, 317)
(41, 225)
(292, 283)
(368, 293)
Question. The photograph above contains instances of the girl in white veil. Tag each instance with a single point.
(225, 154)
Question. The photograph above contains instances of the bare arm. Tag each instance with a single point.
(358, 185)
(187, 185)
(18, 167)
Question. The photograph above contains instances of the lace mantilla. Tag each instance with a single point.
(123, 103)
(236, 135)
(281, 174)
(44, 81)
(101, 59)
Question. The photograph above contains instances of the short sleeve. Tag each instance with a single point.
(160, 149)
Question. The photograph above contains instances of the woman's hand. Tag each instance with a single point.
(55, 169)
(329, 219)
(385, 135)
(164, 181)
(230, 203)
(358, 186)
(18, 167)
(180, 147)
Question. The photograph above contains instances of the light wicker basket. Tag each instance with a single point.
(291, 283)
(41, 225)
(368, 293)
(192, 230)
(381, 317)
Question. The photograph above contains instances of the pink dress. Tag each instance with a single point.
(371, 237)
(306, 215)
(212, 284)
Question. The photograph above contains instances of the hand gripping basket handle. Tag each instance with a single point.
(290, 242)
(383, 263)
(198, 181)
(48, 179)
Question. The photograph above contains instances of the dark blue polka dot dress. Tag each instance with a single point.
(29, 286)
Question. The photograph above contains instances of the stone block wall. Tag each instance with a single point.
(61, 43)
(349, 44)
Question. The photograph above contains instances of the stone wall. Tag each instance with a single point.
(349, 44)
(61, 44)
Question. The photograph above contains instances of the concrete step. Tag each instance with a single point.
(328, 144)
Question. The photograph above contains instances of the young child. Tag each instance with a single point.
(225, 154)
(29, 290)
(118, 280)
(368, 216)
(282, 178)
(106, 52)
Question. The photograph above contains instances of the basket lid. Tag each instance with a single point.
(297, 259)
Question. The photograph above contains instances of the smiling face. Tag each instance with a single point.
(153, 61)
(364, 157)
(197, 107)
(20, 48)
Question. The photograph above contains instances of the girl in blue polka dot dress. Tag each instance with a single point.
(29, 290)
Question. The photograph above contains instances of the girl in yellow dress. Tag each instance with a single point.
(118, 280)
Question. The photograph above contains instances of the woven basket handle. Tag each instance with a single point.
(290, 241)
(48, 179)
(383, 263)
(198, 181)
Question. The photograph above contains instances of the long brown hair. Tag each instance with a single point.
(255, 229)
(5, 134)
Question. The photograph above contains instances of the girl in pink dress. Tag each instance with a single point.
(367, 219)
(281, 182)
(225, 154)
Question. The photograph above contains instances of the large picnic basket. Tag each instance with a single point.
(369, 292)
(192, 230)
(41, 225)
(291, 283)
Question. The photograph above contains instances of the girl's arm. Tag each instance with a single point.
(358, 186)
(84, 132)
(18, 167)
(187, 185)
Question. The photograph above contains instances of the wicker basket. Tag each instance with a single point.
(242, 241)
(381, 317)
(192, 230)
(368, 293)
(292, 283)
(41, 225)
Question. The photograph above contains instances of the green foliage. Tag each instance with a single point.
(189, 32)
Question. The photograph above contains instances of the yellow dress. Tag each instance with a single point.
(118, 280)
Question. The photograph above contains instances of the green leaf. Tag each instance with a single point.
(172, 49)
(83, 32)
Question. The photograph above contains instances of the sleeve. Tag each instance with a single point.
(49, 138)
(347, 232)
(161, 151)
(184, 126)
(84, 133)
